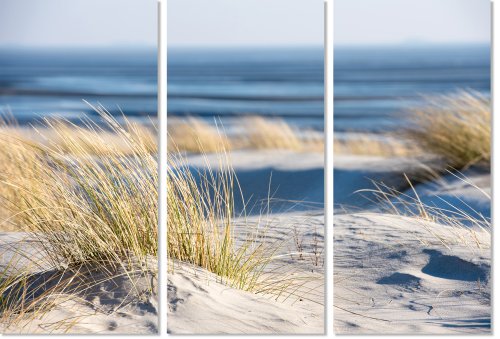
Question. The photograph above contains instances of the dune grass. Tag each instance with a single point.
(200, 222)
(449, 224)
(264, 133)
(196, 136)
(203, 230)
(456, 127)
(382, 146)
(254, 132)
(88, 196)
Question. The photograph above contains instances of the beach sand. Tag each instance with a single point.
(108, 301)
(396, 274)
(199, 303)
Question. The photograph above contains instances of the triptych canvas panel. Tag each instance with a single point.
(169, 160)
(412, 175)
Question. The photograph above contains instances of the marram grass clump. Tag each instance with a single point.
(455, 127)
(86, 198)
(205, 230)
(200, 223)
(254, 133)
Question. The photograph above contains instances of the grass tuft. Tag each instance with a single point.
(200, 223)
(197, 136)
(455, 225)
(455, 127)
(383, 146)
(87, 196)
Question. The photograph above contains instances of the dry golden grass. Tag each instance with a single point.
(449, 224)
(264, 133)
(195, 135)
(64, 133)
(88, 196)
(102, 194)
(375, 146)
(455, 127)
(200, 226)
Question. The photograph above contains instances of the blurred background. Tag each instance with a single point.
(228, 59)
(54, 54)
(390, 54)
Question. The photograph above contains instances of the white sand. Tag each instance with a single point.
(120, 305)
(288, 180)
(199, 303)
(393, 274)
(388, 281)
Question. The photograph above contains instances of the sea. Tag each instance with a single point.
(375, 86)
(213, 84)
(225, 84)
(37, 83)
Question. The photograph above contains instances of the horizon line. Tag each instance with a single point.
(412, 44)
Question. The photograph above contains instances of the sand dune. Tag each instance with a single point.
(394, 276)
(200, 303)
(407, 275)
(93, 300)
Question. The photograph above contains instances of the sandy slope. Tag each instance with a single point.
(394, 274)
(199, 303)
(292, 181)
(103, 303)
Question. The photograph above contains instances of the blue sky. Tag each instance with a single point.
(83, 23)
(362, 22)
(234, 23)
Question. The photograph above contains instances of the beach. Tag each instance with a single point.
(397, 274)
(84, 301)
(197, 300)
(73, 258)
(412, 189)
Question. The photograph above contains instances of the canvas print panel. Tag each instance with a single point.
(78, 168)
(245, 155)
(412, 176)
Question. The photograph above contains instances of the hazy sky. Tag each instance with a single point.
(411, 21)
(244, 22)
(78, 22)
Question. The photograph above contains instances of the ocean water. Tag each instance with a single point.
(375, 85)
(228, 83)
(38, 83)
